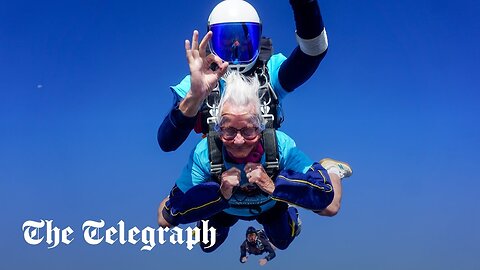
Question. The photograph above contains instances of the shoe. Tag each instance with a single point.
(297, 226)
(343, 167)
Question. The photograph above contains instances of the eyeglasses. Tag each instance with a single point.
(248, 133)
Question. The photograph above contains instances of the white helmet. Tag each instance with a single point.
(237, 31)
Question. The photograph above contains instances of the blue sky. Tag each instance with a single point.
(84, 87)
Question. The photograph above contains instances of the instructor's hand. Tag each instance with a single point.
(203, 79)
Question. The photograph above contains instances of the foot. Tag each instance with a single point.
(343, 167)
(297, 226)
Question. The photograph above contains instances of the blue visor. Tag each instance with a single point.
(237, 43)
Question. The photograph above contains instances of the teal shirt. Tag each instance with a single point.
(197, 170)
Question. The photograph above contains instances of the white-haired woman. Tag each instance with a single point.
(244, 190)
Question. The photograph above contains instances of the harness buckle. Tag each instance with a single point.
(216, 168)
(212, 102)
(272, 165)
(268, 117)
(211, 120)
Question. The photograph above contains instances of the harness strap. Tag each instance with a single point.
(266, 49)
(270, 145)
(217, 165)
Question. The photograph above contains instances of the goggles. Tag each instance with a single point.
(236, 43)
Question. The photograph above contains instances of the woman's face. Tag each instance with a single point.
(239, 130)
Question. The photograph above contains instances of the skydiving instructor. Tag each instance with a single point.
(234, 39)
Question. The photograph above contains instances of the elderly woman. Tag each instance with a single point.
(244, 190)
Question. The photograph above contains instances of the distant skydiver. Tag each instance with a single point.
(256, 243)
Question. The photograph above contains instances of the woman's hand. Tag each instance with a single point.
(230, 179)
(256, 174)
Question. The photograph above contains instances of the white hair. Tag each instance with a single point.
(241, 91)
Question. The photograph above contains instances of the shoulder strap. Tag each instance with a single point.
(266, 49)
(269, 108)
(270, 145)
(215, 153)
